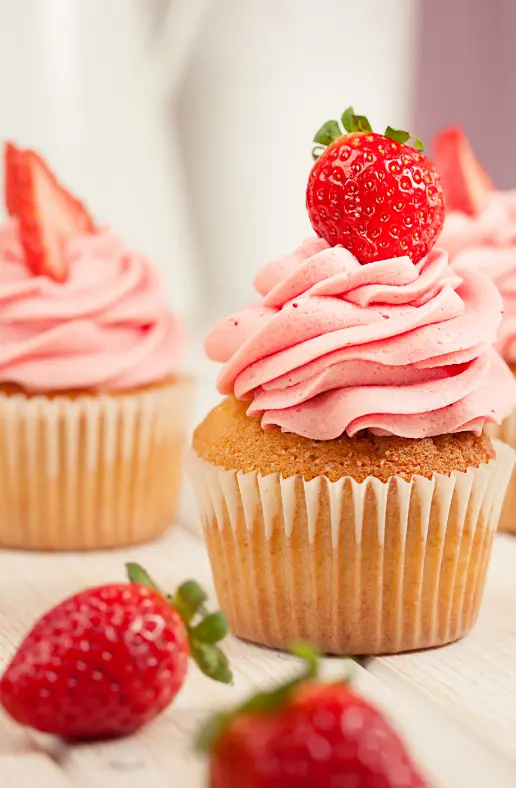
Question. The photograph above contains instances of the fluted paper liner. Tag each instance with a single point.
(90, 471)
(506, 431)
(353, 568)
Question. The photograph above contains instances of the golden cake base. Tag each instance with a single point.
(81, 471)
(354, 564)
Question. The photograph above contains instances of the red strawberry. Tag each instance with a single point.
(307, 735)
(373, 194)
(465, 182)
(11, 187)
(48, 215)
(108, 660)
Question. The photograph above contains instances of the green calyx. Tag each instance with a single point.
(205, 630)
(352, 123)
(263, 702)
(404, 136)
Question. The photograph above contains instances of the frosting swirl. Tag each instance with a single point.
(336, 347)
(107, 328)
(487, 243)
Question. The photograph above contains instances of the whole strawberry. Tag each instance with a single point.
(108, 660)
(307, 735)
(373, 194)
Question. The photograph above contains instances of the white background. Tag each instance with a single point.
(187, 124)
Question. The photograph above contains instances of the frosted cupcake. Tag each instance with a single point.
(93, 410)
(480, 235)
(347, 492)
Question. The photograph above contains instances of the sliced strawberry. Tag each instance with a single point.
(48, 215)
(11, 165)
(465, 182)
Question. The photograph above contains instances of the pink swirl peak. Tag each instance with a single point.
(106, 328)
(337, 347)
(487, 243)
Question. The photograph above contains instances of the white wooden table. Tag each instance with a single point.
(455, 705)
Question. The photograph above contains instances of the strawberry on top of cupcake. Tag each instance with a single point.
(78, 308)
(480, 228)
(367, 327)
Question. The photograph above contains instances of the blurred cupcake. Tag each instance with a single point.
(480, 235)
(93, 411)
(347, 493)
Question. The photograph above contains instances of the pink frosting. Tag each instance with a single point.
(333, 346)
(487, 243)
(107, 328)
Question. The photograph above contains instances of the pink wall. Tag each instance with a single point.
(465, 73)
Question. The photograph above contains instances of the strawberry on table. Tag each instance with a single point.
(372, 193)
(109, 659)
(466, 184)
(307, 734)
(48, 215)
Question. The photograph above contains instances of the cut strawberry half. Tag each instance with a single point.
(465, 182)
(48, 215)
(11, 158)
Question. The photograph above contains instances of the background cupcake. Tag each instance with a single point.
(92, 409)
(347, 493)
(480, 235)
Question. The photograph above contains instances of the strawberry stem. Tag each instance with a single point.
(203, 635)
(263, 702)
(353, 124)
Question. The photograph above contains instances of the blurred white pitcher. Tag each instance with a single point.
(92, 85)
(263, 76)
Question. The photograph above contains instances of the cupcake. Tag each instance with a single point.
(480, 235)
(93, 410)
(347, 492)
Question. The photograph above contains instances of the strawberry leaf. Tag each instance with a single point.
(212, 628)
(347, 119)
(137, 574)
(353, 123)
(397, 134)
(328, 133)
(212, 662)
(361, 123)
(192, 595)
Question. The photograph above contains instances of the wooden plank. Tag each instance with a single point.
(30, 583)
(17, 771)
(474, 679)
(13, 739)
(451, 756)
(159, 756)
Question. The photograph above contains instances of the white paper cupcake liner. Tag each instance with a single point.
(353, 568)
(90, 471)
(506, 431)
